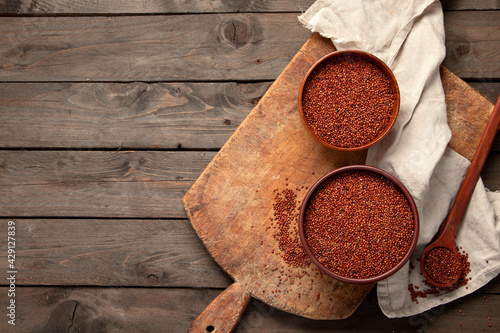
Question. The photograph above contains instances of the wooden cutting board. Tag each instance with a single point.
(231, 204)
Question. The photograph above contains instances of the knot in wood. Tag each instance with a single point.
(244, 96)
(462, 50)
(153, 279)
(154, 275)
(237, 32)
(116, 95)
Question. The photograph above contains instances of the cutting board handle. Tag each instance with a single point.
(222, 315)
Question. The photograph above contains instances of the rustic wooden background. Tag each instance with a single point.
(109, 110)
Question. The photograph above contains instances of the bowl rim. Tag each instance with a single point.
(374, 60)
(388, 176)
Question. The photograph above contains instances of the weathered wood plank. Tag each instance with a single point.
(149, 48)
(49, 309)
(133, 115)
(470, 4)
(133, 184)
(198, 47)
(177, 6)
(111, 253)
(490, 173)
(491, 90)
(149, 7)
(472, 44)
(97, 183)
(488, 88)
(142, 253)
(124, 115)
(42, 309)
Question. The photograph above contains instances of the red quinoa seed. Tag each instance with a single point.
(358, 224)
(286, 218)
(433, 290)
(442, 265)
(347, 102)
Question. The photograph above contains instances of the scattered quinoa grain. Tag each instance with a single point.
(433, 290)
(286, 218)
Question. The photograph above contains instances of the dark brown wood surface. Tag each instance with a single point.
(52, 253)
(108, 116)
(210, 47)
(116, 310)
(177, 6)
(146, 184)
(116, 115)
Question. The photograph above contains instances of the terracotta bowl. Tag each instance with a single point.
(387, 271)
(341, 57)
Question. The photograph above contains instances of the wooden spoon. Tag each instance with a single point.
(444, 248)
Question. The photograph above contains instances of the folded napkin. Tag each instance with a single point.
(409, 37)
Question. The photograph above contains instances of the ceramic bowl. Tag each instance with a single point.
(368, 96)
(399, 186)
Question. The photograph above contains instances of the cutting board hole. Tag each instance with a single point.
(210, 328)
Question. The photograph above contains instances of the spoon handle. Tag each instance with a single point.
(464, 194)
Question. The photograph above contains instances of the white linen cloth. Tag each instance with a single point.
(409, 37)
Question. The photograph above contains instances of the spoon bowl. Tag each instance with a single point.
(441, 252)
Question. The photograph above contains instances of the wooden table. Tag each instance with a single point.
(109, 111)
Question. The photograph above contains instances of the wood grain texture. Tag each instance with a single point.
(112, 183)
(142, 253)
(472, 44)
(97, 183)
(224, 312)
(133, 106)
(133, 115)
(147, 253)
(449, 5)
(468, 112)
(149, 7)
(201, 6)
(171, 310)
(488, 88)
(148, 48)
(198, 47)
(42, 310)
